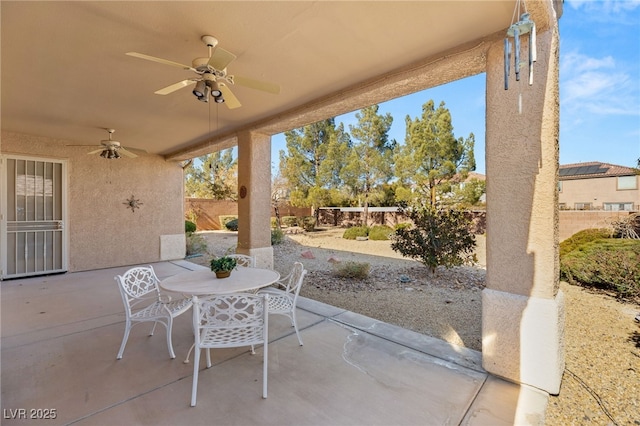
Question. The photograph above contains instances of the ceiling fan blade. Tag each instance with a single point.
(126, 153)
(159, 60)
(221, 58)
(229, 98)
(257, 84)
(96, 151)
(176, 86)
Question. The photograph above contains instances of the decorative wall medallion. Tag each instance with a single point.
(243, 191)
(133, 204)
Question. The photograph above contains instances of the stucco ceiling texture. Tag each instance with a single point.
(65, 74)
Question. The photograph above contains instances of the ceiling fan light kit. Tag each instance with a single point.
(212, 78)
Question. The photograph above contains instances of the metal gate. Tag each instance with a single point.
(32, 237)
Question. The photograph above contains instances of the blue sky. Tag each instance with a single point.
(599, 89)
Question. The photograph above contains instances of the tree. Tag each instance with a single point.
(312, 163)
(432, 156)
(213, 176)
(438, 237)
(370, 163)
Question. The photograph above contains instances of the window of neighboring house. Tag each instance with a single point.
(583, 206)
(559, 186)
(627, 182)
(562, 206)
(618, 206)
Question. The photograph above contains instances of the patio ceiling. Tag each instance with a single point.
(65, 74)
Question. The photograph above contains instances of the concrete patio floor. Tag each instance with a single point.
(61, 334)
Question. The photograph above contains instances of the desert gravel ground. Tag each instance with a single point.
(601, 384)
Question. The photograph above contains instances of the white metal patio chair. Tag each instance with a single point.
(284, 297)
(144, 303)
(230, 321)
(244, 260)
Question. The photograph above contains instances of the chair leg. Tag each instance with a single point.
(295, 326)
(124, 340)
(194, 386)
(208, 358)
(153, 328)
(265, 363)
(169, 327)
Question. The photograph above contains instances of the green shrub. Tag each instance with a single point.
(357, 270)
(403, 225)
(196, 244)
(356, 231)
(274, 223)
(582, 237)
(289, 221)
(308, 223)
(277, 236)
(610, 264)
(232, 225)
(189, 227)
(380, 232)
(440, 237)
(224, 219)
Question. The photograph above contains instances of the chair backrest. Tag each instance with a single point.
(244, 260)
(137, 285)
(239, 319)
(295, 278)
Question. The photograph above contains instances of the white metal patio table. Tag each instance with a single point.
(205, 282)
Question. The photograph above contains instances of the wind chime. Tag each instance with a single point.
(517, 29)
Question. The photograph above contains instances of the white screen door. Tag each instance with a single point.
(33, 241)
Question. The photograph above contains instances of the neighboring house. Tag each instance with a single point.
(598, 186)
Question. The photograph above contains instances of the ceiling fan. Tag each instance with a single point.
(111, 149)
(212, 78)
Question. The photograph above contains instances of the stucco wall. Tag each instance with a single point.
(574, 221)
(103, 231)
(597, 191)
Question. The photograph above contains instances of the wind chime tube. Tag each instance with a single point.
(516, 47)
(532, 51)
(507, 48)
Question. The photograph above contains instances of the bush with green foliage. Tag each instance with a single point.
(224, 219)
(611, 264)
(439, 237)
(357, 270)
(380, 232)
(189, 227)
(277, 236)
(289, 221)
(232, 225)
(308, 223)
(355, 231)
(583, 237)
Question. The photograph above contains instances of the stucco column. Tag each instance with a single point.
(254, 197)
(522, 309)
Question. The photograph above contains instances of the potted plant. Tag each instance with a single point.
(223, 266)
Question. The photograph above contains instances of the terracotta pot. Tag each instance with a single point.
(223, 274)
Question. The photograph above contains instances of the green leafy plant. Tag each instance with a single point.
(224, 263)
(582, 237)
(380, 232)
(232, 225)
(357, 270)
(225, 219)
(189, 227)
(355, 231)
(610, 264)
(277, 236)
(438, 238)
(308, 223)
(289, 221)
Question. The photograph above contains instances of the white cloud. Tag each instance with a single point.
(596, 85)
(605, 6)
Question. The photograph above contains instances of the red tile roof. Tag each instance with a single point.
(594, 169)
